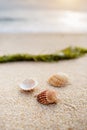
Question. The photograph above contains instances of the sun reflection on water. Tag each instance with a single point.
(73, 19)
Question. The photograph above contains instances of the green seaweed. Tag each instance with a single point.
(67, 53)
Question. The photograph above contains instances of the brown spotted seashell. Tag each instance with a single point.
(58, 80)
(47, 97)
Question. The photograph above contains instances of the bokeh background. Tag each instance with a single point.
(43, 16)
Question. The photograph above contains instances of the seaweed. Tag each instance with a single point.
(65, 54)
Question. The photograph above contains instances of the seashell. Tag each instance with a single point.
(59, 80)
(28, 84)
(47, 97)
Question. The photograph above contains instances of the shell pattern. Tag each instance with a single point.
(47, 97)
(58, 80)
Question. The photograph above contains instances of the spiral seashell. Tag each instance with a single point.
(58, 80)
(47, 97)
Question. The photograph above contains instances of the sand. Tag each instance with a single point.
(20, 110)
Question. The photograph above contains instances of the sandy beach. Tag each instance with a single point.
(20, 110)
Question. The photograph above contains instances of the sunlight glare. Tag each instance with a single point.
(70, 4)
(72, 19)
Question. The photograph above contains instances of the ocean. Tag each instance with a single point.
(20, 19)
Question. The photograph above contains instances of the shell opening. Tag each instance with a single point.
(28, 84)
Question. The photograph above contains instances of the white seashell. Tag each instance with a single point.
(59, 80)
(28, 84)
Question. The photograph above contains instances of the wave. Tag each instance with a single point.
(43, 21)
(9, 19)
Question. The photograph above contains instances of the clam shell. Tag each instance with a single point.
(59, 80)
(47, 97)
(28, 84)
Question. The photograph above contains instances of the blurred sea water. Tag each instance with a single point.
(35, 20)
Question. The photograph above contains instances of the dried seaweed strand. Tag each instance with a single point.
(67, 53)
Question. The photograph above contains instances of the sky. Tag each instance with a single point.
(77, 5)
